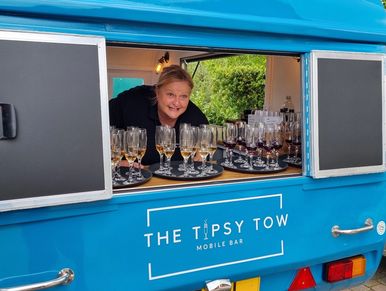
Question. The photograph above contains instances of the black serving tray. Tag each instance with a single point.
(123, 170)
(177, 175)
(298, 164)
(256, 170)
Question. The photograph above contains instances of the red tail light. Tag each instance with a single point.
(345, 269)
(303, 280)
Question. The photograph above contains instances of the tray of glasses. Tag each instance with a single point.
(124, 183)
(196, 173)
(263, 169)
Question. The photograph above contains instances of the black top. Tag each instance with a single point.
(135, 107)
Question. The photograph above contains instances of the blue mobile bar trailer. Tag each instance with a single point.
(58, 209)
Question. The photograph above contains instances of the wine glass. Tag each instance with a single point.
(159, 146)
(268, 144)
(288, 132)
(240, 140)
(169, 144)
(260, 131)
(131, 144)
(220, 139)
(186, 147)
(142, 145)
(230, 143)
(277, 144)
(297, 139)
(251, 136)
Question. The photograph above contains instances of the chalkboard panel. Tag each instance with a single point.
(55, 87)
(349, 113)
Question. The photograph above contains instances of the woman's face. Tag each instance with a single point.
(173, 99)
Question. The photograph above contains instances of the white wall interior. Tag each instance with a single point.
(138, 63)
(283, 78)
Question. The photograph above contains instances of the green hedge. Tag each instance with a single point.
(225, 87)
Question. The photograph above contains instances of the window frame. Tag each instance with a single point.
(316, 172)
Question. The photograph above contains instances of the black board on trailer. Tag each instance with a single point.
(53, 97)
(348, 123)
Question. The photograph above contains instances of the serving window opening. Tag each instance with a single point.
(252, 103)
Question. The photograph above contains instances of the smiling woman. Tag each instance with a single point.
(166, 103)
(172, 94)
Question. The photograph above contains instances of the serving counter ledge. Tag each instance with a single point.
(157, 183)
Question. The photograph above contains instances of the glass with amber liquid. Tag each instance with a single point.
(142, 145)
(186, 147)
(169, 145)
(131, 144)
(160, 148)
(204, 143)
(116, 156)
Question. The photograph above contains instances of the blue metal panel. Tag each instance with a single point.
(119, 244)
(324, 19)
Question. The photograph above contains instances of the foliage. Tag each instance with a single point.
(384, 3)
(225, 87)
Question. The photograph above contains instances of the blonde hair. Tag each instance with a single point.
(173, 73)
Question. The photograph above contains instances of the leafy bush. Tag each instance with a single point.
(225, 87)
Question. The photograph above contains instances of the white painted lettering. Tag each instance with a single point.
(176, 235)
(268, 222)
(165, 237)
(215, 228)
(196, 228)
(257, 220)
(148, 235)
(239, 225)
(281, 220)
(227, 227)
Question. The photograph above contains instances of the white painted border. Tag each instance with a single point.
(67, 198)
(150, 210)
(315, 171)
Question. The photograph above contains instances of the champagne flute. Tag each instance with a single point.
(160, 149)
(186, 147)
(169, 144)
(120, 148)
(204, 141)
(131, 149)
(178, 137)
(191, 169)
(142, 144)
(115, 155)
(212, 147)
